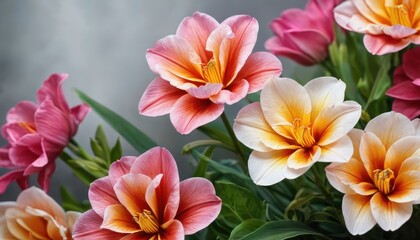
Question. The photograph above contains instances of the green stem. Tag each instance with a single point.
(235, 141)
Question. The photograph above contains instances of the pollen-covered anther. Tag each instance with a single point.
(147, 221)
(384, 180)
(302, 134)
(399, 13)
(211, 72)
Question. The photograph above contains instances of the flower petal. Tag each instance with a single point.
(283, 100)
(120, 168)
(196, 30)
(158, 98)
(23, 112)
(335, 121)
(338, 151)
(389, 127)
(10, 177)
(198, 205)
(382, 44)
(88, 227)
(205, 91)
(157, 161)
(258, 68)
(252, 129)
(232, 94)
(400, 151)
(22, 224)
(189, 113)
(324, 92)
(101, 195)
(372, 153)
(357, 213)
(266, 168)
(406, 186)
(174, 231)
(118, 219)
(304, 158)
(390, 215)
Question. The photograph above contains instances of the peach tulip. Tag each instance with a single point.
(37, 133)
(142, 198)
(35, 215)
(406, 88)
(295, 126)
(382, 179)
(304, 35)
(388, 25)
(204, 66)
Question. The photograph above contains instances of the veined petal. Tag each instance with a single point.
(389, 127)
(157, 161)
(372, 152)
(266, 168)
(335, 121)
(357, 213)
(400, 151)
(51, 89)
(196, 30)
(101, 195)
(232, 94)
(406, 186)
(283, 47)
(252, 129)
(174, 231)
(198, 205)
(235, 52)
(189, 113)
(205, 91)
(339, 151)
(118, 219)
(130, 190)
(10, 177)
(258, 68)
(158, 98)
(283, 100)
(23, 112)
(341, 175)
(382, 44)
(45, 174)
(88, 227)
(120, 168)
(390, 215)
(175, 60)
(324, 92)
(304, 158)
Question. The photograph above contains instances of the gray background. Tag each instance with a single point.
(102, 45)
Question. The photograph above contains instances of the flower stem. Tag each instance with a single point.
(242, 159)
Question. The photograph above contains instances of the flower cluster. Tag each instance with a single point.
(331, 157)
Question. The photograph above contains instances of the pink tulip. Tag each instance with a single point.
(204, 66)
(389, 26)
(304, 35)
(406, 89)
(142, 198)
(37, 133)
(35, 215)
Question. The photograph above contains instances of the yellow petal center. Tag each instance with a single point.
(399, 12)
(27, 126)
(211, 72)
(302, 134)
(147, 222)
(384, 180)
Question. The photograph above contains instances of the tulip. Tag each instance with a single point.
(142, 198)
(37, 133)
(204, 66)
(304, 35)
(35, 215)
(406, 88)
(381, 182)
(295, 126)
(388, 25)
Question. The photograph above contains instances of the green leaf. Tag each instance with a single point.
(102, 140)
(382, 82)
(203, 143)
(279, 230)
(201, 168)
(245, 228)
(90, 166)
(136, 138)
(70, 203)
(216, 131)
(97, 149)
(116, 151)
(238, 203)
(84, 175)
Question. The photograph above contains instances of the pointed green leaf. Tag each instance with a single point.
(245, 228)
(102, 140)
(116, 151)
(136, 138)
(70, 203)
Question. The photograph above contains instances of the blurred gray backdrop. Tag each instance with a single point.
(102, 45)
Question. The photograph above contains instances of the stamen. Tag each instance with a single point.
(398, 12)
(147, 221)
(211, 72)
(302, 134)
(384, 180)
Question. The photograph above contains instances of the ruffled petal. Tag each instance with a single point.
(232, 94)
(383, 44)
(198, 206)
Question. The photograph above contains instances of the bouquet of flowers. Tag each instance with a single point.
(333, 157)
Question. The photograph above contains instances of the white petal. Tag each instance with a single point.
(267, 168)
(390, 215)
(339, 151)
(357, 213)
